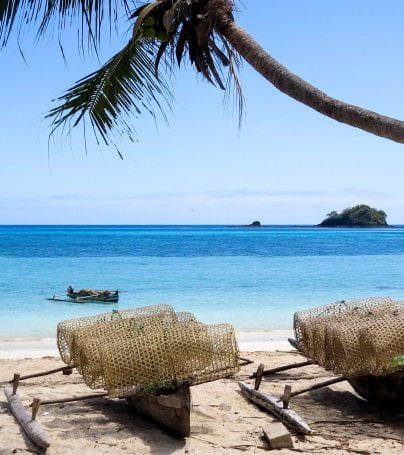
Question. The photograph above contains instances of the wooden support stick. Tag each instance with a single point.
(284, 368)
(65, 369)
(286, 396)
(258, 376)
(318, 386)
(35, 407)
(67, 400)
(244, 361)
(15, 381)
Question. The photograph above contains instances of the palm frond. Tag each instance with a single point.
(88, 15)
(125, 86)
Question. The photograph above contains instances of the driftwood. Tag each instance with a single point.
(32, 427)
(275, 407)
(170, 411)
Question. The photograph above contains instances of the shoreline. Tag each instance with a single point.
(25, 348)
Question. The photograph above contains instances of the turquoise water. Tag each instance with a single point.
(253, 278)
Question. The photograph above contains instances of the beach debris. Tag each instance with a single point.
(277, 436)
(275, 406)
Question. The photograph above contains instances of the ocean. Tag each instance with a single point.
(253, 278)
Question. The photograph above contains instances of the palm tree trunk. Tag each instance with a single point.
(302, 91)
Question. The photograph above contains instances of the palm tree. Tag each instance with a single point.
(165, 31)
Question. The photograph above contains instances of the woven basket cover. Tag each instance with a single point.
(140, 350)
(354, 338)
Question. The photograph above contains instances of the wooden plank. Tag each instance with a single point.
(35, 431)
(275, 406)
(171, 411)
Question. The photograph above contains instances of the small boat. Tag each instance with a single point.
(87, 295)
(92, 294)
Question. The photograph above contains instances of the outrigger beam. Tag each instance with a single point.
(275, 406)
(34, 429)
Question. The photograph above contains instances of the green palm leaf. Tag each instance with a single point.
(125, 86)
(89, 15)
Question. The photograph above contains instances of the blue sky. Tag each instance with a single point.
(287, 165)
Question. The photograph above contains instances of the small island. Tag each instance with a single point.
(358, 216)
(254, 224)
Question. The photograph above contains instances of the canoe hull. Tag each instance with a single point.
(385, 391)
(172, 411)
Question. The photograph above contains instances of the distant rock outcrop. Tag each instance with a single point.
(358, 216)
(254, 224)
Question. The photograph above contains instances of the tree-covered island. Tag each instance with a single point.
(358, 216)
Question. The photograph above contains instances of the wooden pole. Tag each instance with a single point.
(68, 400)
(319, 385)
(244, 361)
(284, 368)
(15, 381)
(35, 407)
(288, 394)
(258, 376)
(66, 370)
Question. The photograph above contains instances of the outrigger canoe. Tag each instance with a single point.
(87, 295)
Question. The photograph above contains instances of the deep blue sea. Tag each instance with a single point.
(253, 278)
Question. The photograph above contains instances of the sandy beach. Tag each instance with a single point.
(222, 420)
